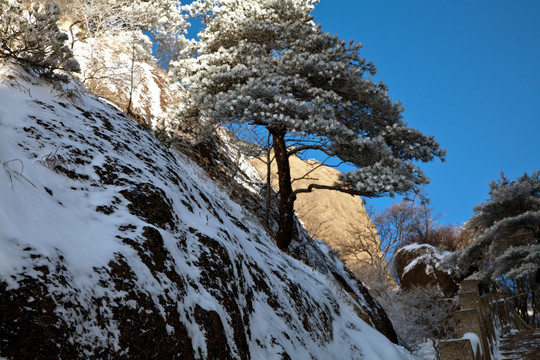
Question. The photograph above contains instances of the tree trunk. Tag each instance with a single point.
(286, 198)
(131, 77)
(268, 182)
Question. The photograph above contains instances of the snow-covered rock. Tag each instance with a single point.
(422, 265)
(112, 246)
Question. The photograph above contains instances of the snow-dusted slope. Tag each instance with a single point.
(111, 246)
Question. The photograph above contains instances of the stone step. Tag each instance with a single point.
(521, 345)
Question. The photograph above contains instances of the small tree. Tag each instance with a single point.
(420, 314)
(266, 64)
(413, 221)
(31, 38)
(116, 38)
(507, 245)
(373, 247)
(402, 223)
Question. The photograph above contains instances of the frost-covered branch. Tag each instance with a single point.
(31, 37)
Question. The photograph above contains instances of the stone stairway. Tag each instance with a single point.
(498, 331)
(520, 345)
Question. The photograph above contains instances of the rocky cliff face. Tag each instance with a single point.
(113, 246)
(334, 217)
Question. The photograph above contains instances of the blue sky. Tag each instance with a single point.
(467, 72)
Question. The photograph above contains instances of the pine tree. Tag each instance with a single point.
(32, 38)
(507, 246)
(266, 64)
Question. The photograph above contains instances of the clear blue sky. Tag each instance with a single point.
(467, 72)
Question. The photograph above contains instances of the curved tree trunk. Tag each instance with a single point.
(286, 197)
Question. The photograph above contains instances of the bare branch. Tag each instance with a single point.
(299, 149)
(312, 187)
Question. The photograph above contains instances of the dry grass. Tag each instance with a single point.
(14, 173)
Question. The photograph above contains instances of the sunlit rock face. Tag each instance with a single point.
(337, 218)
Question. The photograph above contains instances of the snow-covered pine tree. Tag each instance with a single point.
(266, 64)
(32, 38)
(507, 246)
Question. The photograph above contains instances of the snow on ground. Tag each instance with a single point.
(426, 351)
(75, 179)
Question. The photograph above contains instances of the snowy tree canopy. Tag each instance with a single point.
(508, 230)
(32, 38)
(509, 227)
(266, 64)
(130, 21)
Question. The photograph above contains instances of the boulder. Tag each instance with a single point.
(420, 265)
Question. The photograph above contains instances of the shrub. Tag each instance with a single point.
(31, 37)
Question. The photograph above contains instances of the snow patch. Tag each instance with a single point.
(475, 343)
